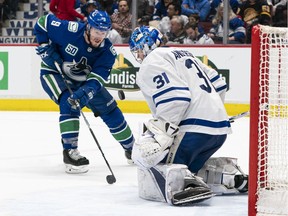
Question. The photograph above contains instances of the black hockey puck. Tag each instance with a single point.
(121, 95)
(110, 179)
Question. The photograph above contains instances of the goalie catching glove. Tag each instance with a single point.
(153, 145)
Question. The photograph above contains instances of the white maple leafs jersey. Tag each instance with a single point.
(178, 88)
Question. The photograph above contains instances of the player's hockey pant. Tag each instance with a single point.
(103, 105)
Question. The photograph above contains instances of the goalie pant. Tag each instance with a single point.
(173, 184)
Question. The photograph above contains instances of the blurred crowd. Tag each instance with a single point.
(8, 9)
(180, 21)
(189, 21)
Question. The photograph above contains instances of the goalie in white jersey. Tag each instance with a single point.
(189, 122)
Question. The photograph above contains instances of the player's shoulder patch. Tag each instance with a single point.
(73, 26)
(113, 51)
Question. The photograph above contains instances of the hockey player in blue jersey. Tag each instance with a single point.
(189, 124)
(86, 57)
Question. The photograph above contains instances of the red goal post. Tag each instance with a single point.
(268, 153)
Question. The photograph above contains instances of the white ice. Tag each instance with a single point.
(33, 181)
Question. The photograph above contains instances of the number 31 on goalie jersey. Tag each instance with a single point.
(163, 79)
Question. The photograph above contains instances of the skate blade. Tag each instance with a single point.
(194, 199)
(130, 161)
(70, 169)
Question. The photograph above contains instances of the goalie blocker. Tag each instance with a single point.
(173, 184)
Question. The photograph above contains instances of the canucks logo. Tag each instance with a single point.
(77, 71)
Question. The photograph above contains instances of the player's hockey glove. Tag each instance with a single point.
(153, 145)
(81, 97)
(49, 55)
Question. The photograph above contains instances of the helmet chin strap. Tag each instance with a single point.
(87, 32)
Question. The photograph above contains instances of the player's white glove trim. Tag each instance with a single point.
(153, 145)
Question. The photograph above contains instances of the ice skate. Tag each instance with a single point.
(128, 154)
(74, 162)
(241, 183)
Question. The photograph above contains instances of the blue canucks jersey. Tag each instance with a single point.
(68, 38)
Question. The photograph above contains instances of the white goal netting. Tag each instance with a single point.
(272, 183)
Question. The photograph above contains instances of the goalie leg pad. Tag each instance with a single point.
(151, 187)
(220, 175)
(173, 184)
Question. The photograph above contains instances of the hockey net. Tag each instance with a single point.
(268, 165)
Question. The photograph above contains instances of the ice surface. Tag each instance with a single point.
(33, 181)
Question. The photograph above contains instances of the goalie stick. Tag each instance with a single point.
(109, 178)
(243, 114)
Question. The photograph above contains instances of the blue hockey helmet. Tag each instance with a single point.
(145, 38)
(99, 20)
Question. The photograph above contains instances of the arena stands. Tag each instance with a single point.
(20, 29)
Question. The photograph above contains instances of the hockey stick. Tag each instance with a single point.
(243, 114)
(109, 178)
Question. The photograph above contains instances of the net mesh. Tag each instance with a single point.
(272, 185)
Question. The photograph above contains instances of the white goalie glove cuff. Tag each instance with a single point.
(163, 131)
(153, 145)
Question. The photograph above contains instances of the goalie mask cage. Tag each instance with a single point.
(268, 153)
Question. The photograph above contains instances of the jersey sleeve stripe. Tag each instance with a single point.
(221, 88)
(42, 22)
(215, 78)
(206, 123)
(173, 99)
(94, 76)
(168, 90)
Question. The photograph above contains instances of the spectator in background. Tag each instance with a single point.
(280, 17)
(254, 12)
(145, 9)
(202, 7)
(177, 34)
(8, 9)
(122, 21)
(65, 10)
(90, 6)
(110, 6)
(237, 31)
(275, 3)
(144, 21)
(173, 9)
(4, 11)
(161, 9)
(195, 37)
(234, 4)
(194, 19)
(13, 6)
(87, 8)
(114, 37)
(79, 4)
